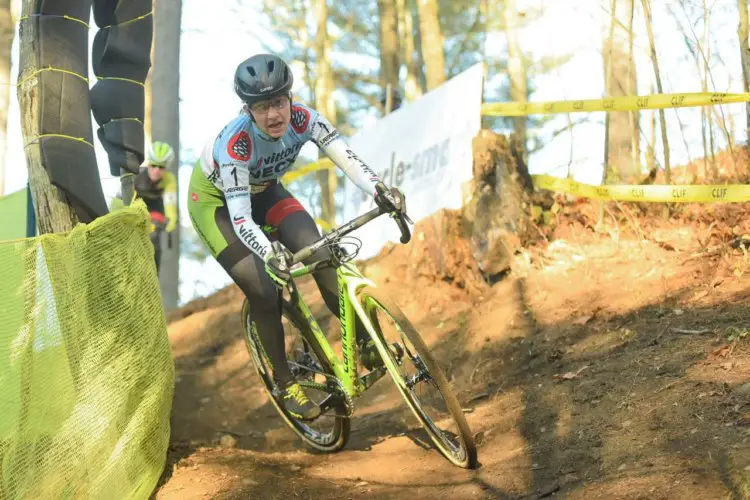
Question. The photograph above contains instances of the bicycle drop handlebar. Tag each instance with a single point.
(352, 225)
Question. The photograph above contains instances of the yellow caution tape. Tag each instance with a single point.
(292, 176)
(322, 164)
(323, 224)
(629, 103)
(732, 193)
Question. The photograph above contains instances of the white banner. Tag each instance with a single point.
(424, 149)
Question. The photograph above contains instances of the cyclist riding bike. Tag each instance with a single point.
(235, 191)
(157, 186)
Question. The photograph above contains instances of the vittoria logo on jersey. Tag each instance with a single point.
(240, 147)
(283, 154)
(300, 119)
(273, 165)
(239, 219)
(251, 240)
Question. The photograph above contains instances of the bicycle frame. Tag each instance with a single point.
(350, 280)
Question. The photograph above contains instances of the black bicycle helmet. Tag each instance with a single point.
(261, 77)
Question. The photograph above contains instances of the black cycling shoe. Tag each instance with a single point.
(298, 404)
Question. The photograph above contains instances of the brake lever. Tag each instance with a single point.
(279, 254)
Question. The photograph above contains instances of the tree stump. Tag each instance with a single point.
(499, 211)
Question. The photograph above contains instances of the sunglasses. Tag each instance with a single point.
(278, 103)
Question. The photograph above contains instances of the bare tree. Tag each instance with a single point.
(413, 89)
(702, 54)
(148, 100)
(325, 104)
(706, 124)
(516, 72)
(307, 42)
(632, 84)
(651, 150)
(742, 32)
(607, 55)
(622, 152)
(389, 46)
(657, 74)
(704, 51)
(433, 51)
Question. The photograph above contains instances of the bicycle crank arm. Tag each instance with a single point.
(338, 404)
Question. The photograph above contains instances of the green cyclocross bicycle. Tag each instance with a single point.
(334, 383)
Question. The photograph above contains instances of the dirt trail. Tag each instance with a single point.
(606, 367)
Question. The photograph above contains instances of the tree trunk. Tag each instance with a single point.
(742, 32)
(621, 81)
(325, 104)
(657, 74)
(635, 116)
(165, 121)
(418, 43)
(7, 31)
(704, 132)
(53, 208)
(651, 151)
(607, 59)
(517, 74)
(389, 46)
(413, 90)
(307, 52)
(432, 42)
(148, 101)
(148, 89)
(705, 49)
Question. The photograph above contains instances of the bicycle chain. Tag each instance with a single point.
(348, 401)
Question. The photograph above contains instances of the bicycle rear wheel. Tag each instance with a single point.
(328, 433)
(454, 440)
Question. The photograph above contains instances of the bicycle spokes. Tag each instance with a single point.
(321, 387)
(420, 387)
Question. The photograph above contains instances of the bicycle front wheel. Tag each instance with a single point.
(420, 380)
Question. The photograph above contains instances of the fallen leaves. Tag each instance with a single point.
(722, 352)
